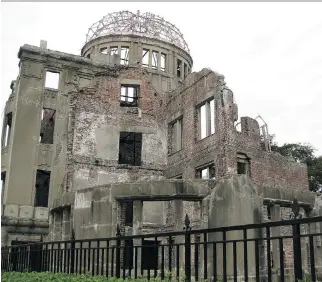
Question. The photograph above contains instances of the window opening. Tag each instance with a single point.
(203, 122)
(128, 213)
(179, 62)
(145, 57)
(3, 184)
(113, 50)
(206, 172)
(104, 50)
(52, 80)
(3, 180)
(42, 188)
(129, 95)
(130, 147)
(206, 121)
(7, 130)
(163, 61)
(88, 56)
(155, 59)
(176, 136)
(212, 116)
(243, 164)
(47, 126)
(185, 70)
(124, 55)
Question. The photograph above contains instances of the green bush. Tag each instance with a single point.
(58, 277)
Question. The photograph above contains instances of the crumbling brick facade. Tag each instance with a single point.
(79, 132)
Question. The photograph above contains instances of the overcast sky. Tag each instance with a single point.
(269, 53)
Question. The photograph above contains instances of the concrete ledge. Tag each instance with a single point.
(26, 212)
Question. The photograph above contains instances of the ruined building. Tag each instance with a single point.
(126, 133)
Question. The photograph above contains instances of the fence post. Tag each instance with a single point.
(296, 228)
(72, 250)
(118, 252)
(187, 249)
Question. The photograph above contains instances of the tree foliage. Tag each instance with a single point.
(303, 153)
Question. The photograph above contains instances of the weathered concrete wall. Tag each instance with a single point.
(97, 122)
(234, 201)
(97, 210)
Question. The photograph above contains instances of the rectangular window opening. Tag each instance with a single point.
(47, 127)
(176, 136)
(155, 56)
(52, 80)
(128, 213)
(243, 164)
(163, 61)
(206, 119)
(104, 50)
(88, 56)
(185, 70)
(206, 172)
(124, 55)
(145, 57)
(203, 122)
(113, 50)
(241, 168)
(129, 95)
(130, 148)
(7, 130)
(3, 184)
(42, 188)
(212, 116)
(179, 63)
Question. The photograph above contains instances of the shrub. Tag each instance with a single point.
(58, 277)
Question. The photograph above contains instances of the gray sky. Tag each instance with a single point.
(269, 53)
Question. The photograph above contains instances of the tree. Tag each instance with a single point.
(303, 153)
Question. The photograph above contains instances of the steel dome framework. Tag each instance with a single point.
(147, 24)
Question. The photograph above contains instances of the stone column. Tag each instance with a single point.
(305, 229)
(169, 63)
(275, 211)
(178, 225)
(137, 229)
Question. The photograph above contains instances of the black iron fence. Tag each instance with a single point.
(283, 250)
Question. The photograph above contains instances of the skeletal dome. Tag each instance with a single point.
(147, 24)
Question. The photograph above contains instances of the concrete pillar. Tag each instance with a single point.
(132, 54)
(275, 211)
(182, 70)
(159, 60)
(43, 44)
(178, 225)
(137, 228)
(150, 58)
(169, 63)
(304, 243)
(178, 135)
(233, 201)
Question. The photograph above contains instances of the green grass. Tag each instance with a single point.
(58, 277)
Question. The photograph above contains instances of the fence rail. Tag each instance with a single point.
(283, 250)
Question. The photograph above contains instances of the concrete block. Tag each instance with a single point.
(41, 213)
(26, 211)
(43, 44)
(11, 210)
